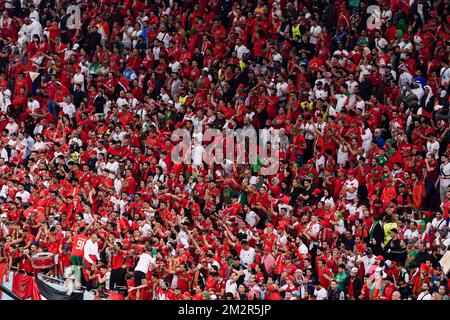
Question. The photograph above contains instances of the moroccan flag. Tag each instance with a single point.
(22, 285)
(3, 272)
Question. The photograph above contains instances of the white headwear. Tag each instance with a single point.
(429, 95)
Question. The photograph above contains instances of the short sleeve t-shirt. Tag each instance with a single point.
(78, 245)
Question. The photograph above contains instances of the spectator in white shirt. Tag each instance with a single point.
(351, 186)
(182, 236)
(34, 14)
(145, 263)
(78, 78)
(91, 254)
(301, 247)
(111, 167)
(438, 223)
(412, 234)
(12, 126)
(23, 194)
(240, 49)
(425, 294)
(319, 292)
(247, 254)
(33, 105)
(231, 284)
(144, 228)
(315, 31)
(68, 107)
(433, 146)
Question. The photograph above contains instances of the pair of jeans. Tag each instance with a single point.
(52, 108)
(430, 200)
(299, 158)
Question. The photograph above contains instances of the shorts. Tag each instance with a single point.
(76, 260)
(138, 277)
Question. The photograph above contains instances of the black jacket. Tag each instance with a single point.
(357, 286)
(336, 295)
(94, 39)
(394, 251)
(78, 97)
(378, 235)
(99, 104)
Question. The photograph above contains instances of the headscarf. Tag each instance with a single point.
(429, 95)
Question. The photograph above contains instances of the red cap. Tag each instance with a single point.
(380, 258)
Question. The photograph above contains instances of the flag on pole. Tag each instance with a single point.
(35, 78)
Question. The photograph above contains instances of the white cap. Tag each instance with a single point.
(75, 46)
(205, 69)
(3, 215)
(354, 269)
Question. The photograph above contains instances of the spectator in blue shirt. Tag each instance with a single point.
(129, 73)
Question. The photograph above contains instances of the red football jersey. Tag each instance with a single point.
(78, 245)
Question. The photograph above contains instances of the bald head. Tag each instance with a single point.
(396, 295)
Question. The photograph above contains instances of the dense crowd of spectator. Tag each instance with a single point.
(91, 91)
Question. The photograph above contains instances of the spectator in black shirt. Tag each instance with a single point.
(307, 193)
(78, 96)
(422, 255)
(94, 39)
(395, 249)
(353, 285)
(305, 46)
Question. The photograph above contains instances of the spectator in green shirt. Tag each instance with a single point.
(340, 277)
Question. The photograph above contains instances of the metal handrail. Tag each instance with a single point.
(9, 293)
(46, 277)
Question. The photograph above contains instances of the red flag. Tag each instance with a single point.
(3, 272)
(115, 296)
(22, 285)
(35, 293)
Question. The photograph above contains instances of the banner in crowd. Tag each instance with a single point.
(50, 293)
